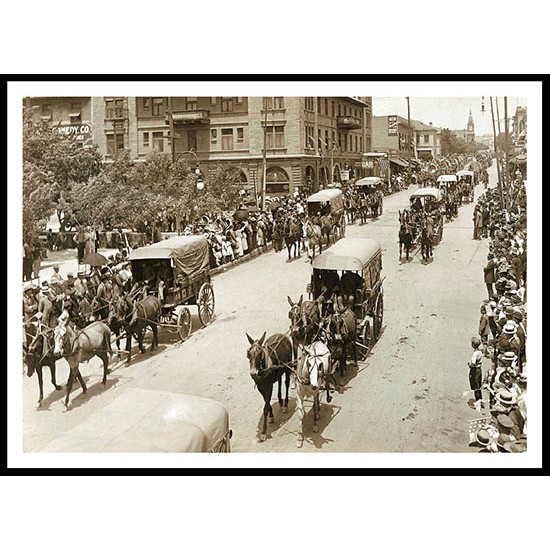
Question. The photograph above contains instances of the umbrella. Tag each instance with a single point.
(94, 259)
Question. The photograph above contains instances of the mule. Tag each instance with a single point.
(269, 362)
(314, 238)
(426, 242)
(313, 372)
(405, 240)
(120, 315)
(40, 354)
(293, 238)
(145, 313)
(80, 346)
(341, 331)
(304, 322)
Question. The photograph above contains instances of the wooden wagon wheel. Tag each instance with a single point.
(377, 316)
(205, 303)
(184, 323)
(364, 340)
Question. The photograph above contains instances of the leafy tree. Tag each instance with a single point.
(52, 163)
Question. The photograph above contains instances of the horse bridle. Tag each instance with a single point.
(307, 355)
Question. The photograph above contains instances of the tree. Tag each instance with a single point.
(52, 163)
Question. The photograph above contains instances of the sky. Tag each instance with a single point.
(448, 112)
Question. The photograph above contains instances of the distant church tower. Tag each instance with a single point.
(470, 131)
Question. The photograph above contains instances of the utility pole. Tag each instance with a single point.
(409, 139)
(496, 153)
(264, 167)
(506, 172)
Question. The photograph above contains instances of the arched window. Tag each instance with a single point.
(277, 180)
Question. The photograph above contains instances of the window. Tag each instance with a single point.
(240, 135)
(158, 104)
(319, 141)
(339, 109)
(115, 144)
(227, 138)
(360, 143)
(227, 106)
(192, 139)
(326, 140)
(333, 111)
(158, 140)
(426, 138)
(273, 103)
(239, 100)
(309, 104)
(213, 135)
(310, 140)
(114, 108)
(146, 102)
(319, 105)
(191, 104)
(213, 100)
(145, 139)
(326, 106)
(275, 137)
(357, 143)
(333, 143)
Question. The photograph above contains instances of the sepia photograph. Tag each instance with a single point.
(287, 280)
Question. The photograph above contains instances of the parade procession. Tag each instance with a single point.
(187, 258)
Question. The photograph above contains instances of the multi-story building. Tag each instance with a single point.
(306, 142)
(393, 136)
(427, 140)
(68, 115)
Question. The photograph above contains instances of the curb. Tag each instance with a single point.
(254, 254)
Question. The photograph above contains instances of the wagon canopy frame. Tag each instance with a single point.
(348, 255)
(188, 256)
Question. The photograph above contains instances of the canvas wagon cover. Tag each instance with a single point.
(149, 421)
(190, 253)
(325, 195)
(347, 254)
(369, 181)
(427, 192)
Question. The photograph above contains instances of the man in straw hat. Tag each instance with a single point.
(475, 374)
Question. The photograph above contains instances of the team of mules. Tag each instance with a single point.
(78, 344)
(311, 352)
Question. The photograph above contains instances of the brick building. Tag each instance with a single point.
(310, 142)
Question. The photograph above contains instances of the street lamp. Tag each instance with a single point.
(198, 172)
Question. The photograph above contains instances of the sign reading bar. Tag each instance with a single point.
(392, 126)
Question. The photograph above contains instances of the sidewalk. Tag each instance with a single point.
(67, 261)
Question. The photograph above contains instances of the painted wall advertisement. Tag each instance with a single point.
(392, 126)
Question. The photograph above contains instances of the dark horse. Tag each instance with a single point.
(405, 235)
(145, 313)
(304, 323)
(120, 315)
(40, 354)
(293, 237)
(426, 242)
(79, 346)
(341, 331)
(268, 363)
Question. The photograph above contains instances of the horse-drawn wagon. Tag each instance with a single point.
(467, 184)
(177, 272)
(150, 421)
(424, 202)
(370, 191)
(352, 268)
(327, 206)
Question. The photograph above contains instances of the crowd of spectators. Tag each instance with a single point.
(503, 324)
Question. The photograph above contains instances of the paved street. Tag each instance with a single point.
(406, 396)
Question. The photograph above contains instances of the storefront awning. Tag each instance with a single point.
(400, 162)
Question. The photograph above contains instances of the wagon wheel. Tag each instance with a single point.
(377, 317)
(205, 303)
(184, 323)
(364, 339)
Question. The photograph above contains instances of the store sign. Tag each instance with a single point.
(80, 132)
(392, 126)
(367, 164)
(345, 175)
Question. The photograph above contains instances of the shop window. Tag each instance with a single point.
(227, 139)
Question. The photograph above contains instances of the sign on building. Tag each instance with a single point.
(344, 174)
(80, 132)
(392, 126)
